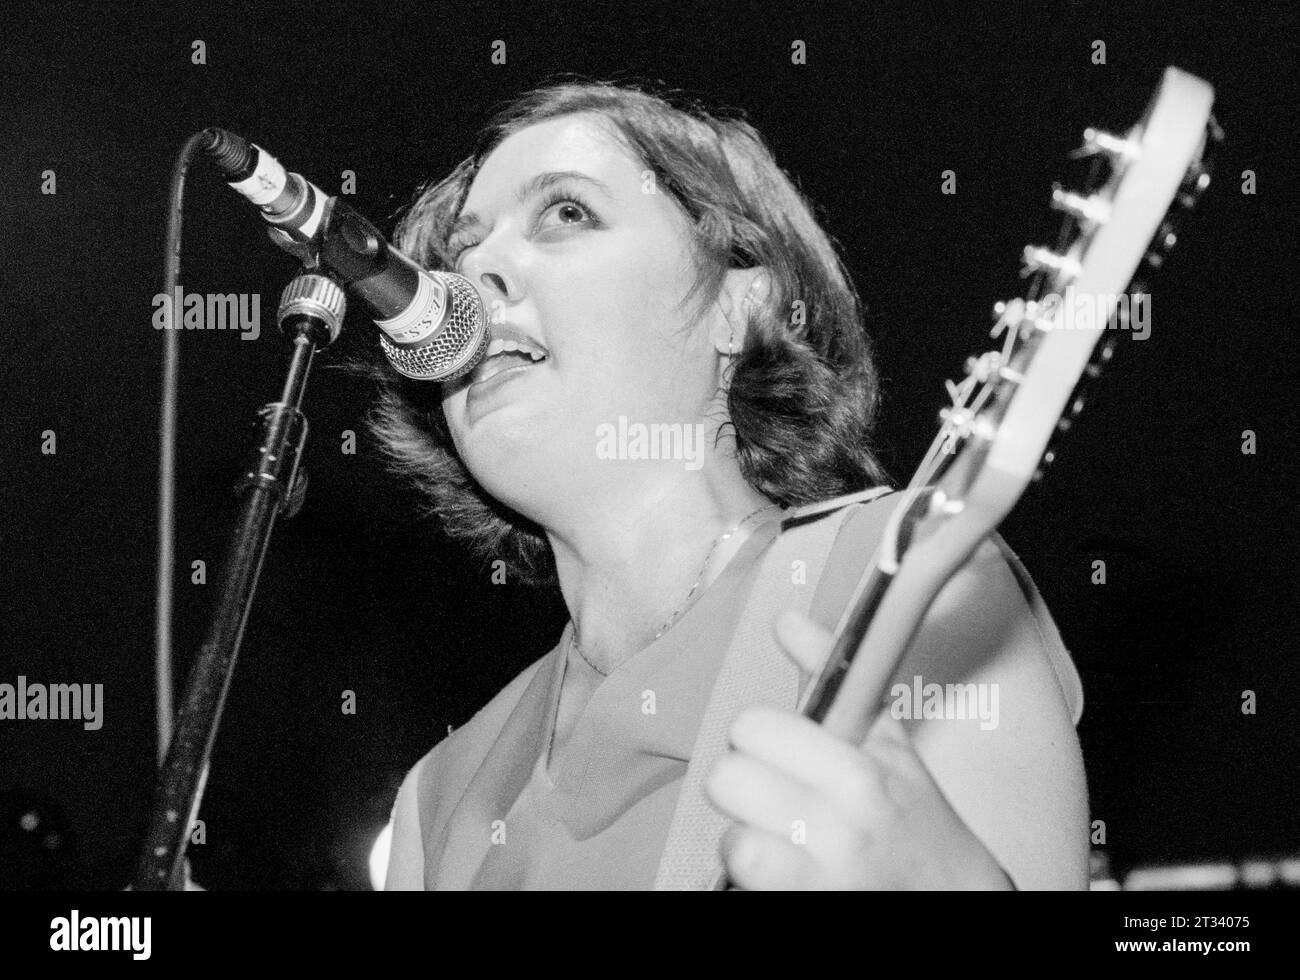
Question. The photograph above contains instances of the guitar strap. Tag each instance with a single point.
(755, 671)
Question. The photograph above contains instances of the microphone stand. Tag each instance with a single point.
(311, 312)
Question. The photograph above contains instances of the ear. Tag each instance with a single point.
(743, 291)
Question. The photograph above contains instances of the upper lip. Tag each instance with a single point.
(511, 335)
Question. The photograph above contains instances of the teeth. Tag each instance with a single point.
(499, 345)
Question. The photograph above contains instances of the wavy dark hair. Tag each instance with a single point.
(803, 389)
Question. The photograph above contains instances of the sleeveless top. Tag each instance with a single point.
(626, 808)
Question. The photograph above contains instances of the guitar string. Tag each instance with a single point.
(932, 463)
(935, 460)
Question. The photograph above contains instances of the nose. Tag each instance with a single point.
(493, 281)
(494, 272)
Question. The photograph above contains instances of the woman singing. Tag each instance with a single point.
(677, 361)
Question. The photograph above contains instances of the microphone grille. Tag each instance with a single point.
(454, 349)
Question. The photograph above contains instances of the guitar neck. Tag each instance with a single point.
(886, 611)
(1006, 410)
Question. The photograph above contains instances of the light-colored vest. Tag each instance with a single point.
(460, 792)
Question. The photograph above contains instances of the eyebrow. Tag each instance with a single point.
(534, 185)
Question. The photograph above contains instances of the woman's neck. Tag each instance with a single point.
(628, 572)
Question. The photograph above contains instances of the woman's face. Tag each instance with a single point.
(576, 252)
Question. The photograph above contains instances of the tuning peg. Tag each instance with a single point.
(1117, 148)
(1049, 457)
(1021, 317)
(981, 367)
(989, 366)
(1035, 258)
(1092, 210)
(1166, 237)
(1008, 315)
(1195, 181)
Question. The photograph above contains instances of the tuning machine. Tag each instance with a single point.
(1078, 398)
(1019, 316)
(1104, 353)
(1089, 211)
(1119, 149)
(1194, 184)
(1165, 239)
(1049, 457)
(1197, 178)
(1036, 258)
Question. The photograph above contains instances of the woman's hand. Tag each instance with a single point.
(813, 812)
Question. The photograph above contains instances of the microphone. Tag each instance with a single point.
(432, 325)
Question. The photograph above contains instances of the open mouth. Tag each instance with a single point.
(506, 354)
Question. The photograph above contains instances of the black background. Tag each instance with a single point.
(357, 594)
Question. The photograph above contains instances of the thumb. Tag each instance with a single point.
(803, 640)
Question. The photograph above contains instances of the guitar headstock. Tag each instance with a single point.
(1005, 411)
(1012, 400)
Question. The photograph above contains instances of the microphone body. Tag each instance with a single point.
(432, 323)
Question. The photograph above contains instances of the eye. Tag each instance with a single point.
(560, 210)
(564, 210)
(568, 212)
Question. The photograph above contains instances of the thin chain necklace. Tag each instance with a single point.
(573, 637)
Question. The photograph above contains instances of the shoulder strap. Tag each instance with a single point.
(754, 671)
(857, 541)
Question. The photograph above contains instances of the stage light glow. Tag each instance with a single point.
(379, 858)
